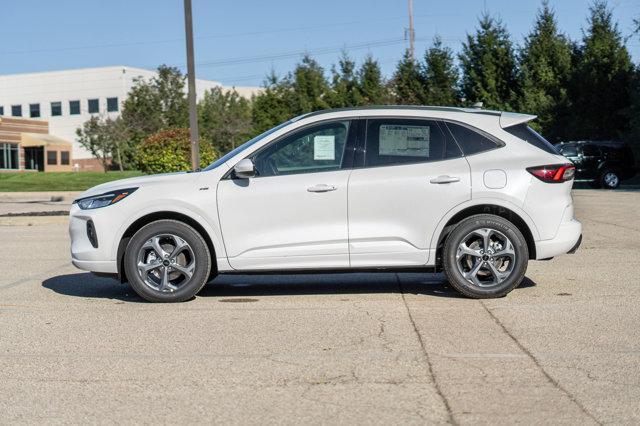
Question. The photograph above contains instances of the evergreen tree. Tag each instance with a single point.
(488, 62)
(440, 76)
(545, 69)
(309, 86)
(371, 86)
(273, 105)
(224, 119)
(602, 77)
(344, 85)
(408, 82)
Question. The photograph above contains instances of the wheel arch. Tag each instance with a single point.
(527, 229)
(160, 215)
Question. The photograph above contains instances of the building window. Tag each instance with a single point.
(16, 110)
(56, 109)
(74, 107)
(112, 104)
(94, 106)
(64, 158)
(1, 110)
(34, 110)
(52, 158)
(9, 156)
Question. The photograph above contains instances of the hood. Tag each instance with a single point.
(137, 182)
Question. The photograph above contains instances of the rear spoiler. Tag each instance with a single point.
(510, 119)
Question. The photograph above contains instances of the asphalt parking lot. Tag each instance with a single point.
(337, 348)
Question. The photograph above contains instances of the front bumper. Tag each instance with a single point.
(84, 255)
(567, 240)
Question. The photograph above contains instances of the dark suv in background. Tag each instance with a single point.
(602, 163)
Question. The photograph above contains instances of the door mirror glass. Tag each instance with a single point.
(244, 169)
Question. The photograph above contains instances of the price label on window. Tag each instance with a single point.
(401, 140)
(324, 147)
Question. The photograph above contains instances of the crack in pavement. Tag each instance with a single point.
(535, 361)
(426, 356)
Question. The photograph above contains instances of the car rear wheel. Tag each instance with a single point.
(610, 179)
(485, 256)
(167, 261)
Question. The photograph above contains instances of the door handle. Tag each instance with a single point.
(445, 179)
(321, 188)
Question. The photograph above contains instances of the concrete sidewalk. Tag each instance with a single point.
(35, 202)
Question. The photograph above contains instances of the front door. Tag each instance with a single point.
(293, 213)
(410, 174)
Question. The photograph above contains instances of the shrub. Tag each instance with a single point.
(170, 151)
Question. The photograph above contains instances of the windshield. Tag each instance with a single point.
(246, 145)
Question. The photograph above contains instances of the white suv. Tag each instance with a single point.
(473, 192)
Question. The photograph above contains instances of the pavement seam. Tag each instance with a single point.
(535, 361)
(427, 358)
(32, 277)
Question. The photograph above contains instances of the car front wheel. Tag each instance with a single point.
(485, 256)
(167, 261)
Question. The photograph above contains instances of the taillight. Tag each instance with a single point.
(553, 173)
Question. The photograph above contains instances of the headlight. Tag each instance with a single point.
(103, 200)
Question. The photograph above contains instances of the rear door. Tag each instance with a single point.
(407, 175)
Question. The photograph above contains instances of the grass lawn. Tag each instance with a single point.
(58, 181)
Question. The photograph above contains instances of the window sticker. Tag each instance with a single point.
(324, 147)
(401, 140)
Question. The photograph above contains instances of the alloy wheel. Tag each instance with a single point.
(166, 262)
(485, 257)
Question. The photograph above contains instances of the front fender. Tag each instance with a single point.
(173, 206)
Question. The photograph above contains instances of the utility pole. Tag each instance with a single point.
(411, 33)
(191, 82)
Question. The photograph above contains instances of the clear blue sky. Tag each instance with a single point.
(238, 42)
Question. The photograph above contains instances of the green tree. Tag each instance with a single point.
(545, 70)
(488, 62)
(601, 81)
(310, 87)
(371, 89)
(273, 105)
(155, 104)
(108, 140)
(408, 82)
(344, 84)
(224, 118)
(440, 76)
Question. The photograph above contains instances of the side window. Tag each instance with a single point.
(470, 140)
(569, 151)
(402, 141)
(590, 151)
(315, 149)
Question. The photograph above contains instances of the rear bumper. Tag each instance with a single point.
(567, 240)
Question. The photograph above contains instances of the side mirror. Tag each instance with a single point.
(244, 169)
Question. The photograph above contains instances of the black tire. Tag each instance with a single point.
(610, 179)
(189, 286)
(456, 237)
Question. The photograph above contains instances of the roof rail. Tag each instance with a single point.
(507, 119)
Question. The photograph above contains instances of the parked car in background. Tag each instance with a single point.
(472, 192)
(602, 163)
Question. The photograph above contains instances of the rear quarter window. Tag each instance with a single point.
(527, 134)
(471, 141)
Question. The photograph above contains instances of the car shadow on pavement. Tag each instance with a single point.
(87, 285)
